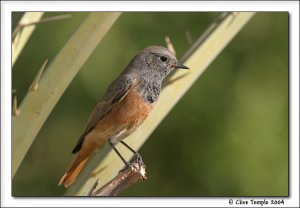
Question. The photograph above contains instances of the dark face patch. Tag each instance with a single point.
(150, 99)
(149, 91)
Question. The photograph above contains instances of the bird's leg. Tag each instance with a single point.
(118, 153)
(139, 158)
(126, 145)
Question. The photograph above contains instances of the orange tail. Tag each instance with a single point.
(72, 173)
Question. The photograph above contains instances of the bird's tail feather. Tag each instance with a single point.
(70, 176)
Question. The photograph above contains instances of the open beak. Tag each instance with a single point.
(180, 66)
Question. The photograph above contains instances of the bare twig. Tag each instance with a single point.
(127, 177)
(46, 19)
(21, 25)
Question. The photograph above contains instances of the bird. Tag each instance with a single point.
(124, 106)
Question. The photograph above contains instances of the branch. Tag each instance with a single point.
(46, 20)
(127, 177)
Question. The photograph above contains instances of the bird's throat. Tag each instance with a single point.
(149, 91)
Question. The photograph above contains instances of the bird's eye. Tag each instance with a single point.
(163, 58)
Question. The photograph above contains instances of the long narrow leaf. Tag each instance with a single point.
(38, 104)
(22, 34)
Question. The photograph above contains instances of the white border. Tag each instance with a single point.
(8, 7)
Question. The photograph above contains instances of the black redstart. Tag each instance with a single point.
(125, 105)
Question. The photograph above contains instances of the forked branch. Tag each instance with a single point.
(132, 174)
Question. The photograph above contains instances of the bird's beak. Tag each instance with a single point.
(180, 66)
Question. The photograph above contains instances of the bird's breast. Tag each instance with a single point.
(125, 117)
(133, 109)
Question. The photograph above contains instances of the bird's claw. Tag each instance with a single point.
(128, 165)
(137, 159)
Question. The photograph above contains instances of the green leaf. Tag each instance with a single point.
(37, 105)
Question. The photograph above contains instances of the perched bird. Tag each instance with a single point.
(126, 104)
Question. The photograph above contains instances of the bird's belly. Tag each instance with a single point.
(124, 118)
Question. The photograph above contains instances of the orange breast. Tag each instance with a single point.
(128, 114)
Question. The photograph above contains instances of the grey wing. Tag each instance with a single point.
(116, 92)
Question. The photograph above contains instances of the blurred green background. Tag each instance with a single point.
(228, 136)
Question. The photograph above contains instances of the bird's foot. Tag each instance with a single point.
(128, 165)
(135, 163)
(138, 158)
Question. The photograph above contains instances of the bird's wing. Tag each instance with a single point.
(115, 94)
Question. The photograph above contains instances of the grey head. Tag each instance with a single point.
(150, 66)
(153, 64)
